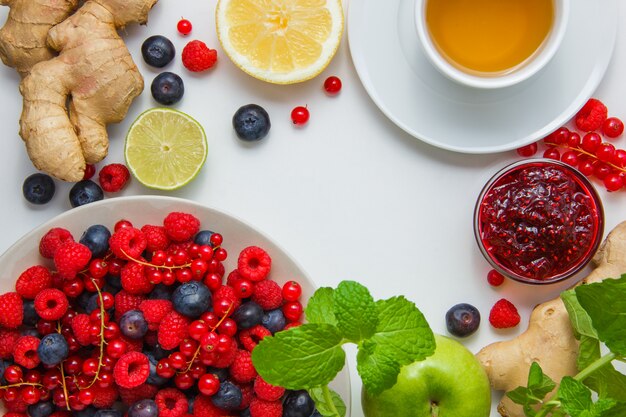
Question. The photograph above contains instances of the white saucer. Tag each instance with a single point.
(416, 97)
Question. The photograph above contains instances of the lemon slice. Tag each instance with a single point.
(165, 148)
(280, 41)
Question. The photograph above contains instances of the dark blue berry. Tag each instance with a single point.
(274, 320)
(203, 237)
(41, 409)
(143, 408)
(462, 320)
(30, 315)
(133, 324)
(167, 88)
(160, 292)
(85, 192)
(108, 413)
(87, 412)
(158, 352)
(158, 51)
(245, 413)
(251, 123)
(316, 414)
(3, 367)
(191, 299)
(221, 373)
(30, 331)
(38, 188)
(228, 397)
(154, 378)
(248, 315)
(92, 303)
(298, 404)
(96, 238)
(53, 349)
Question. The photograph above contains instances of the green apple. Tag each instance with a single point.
(450, 383)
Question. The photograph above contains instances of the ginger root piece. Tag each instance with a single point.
(69, 100)
(549, 339)
(23, 37)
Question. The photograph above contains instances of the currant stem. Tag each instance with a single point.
(169, 268)
(582, 151)
(102, 341)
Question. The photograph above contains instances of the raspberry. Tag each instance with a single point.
(128, 243)
(113, 177)
(131, 370)
(51, 304)
(266, 391)
(495, 278)
(173, 330)
(70, 258)
(33, 280)
(591, 116)
(254, 263)
(156, 237)
(247, 395)
(25, 353)
(203, 407)
(133, 279)
(11, 310)
(8, 339)
(197, 56)
(171, 403)
(226, 293)
(181, 226)
(133, 345)
(51, 241)
(249, 338)
(80, 328)
(268, 294)
(125, 302)
(154, 311)
(260, 408)
(130, 396)
(242, 370)
(504, 315)
(104, 397)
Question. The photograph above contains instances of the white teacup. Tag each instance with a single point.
(498, 80)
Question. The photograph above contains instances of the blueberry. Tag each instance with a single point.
(167, 88)
(53, 349)
(96, 238)
(30, 331)
(158, 51)
(108, 413)
(30, 315)
(3, 367)
(251, 122)
(160, 292)
(192, 299)
(248, 315)
(87, 412)
(41, 409)
(85, 192)
(298, 404)
(228, 397)
(143, 408)
(133, 325)
(203, 237)
(245, 413)
(154, 378)
(38, 188)
(92, 303)
(462, 320)
(274, 320)
(221, 373)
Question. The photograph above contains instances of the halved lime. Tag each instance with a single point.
(165, 148)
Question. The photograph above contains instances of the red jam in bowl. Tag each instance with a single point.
(539, 221)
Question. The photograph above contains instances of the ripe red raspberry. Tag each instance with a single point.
(104, 397)
(227, 295)
(495, 278)
(113, 177)
(156, 237)
(181, 226)
(25, 353)
(173, 330)
(254, 263)
(131, 370)
(8, 339)
(154, 311)
(128, 243)
(247, 395)
(242, 370)
(11, 310)
(33, 280)
(504, 315)
(130, 396)
(251, 337)
(70, 258)
(51, 241)
(51, 304)
(268, 294)
(591, 116)
(203, 407)
(197, 56)
(266, 391)
(134, 280)
(260, 408)
(125, 302)
(171, 403)
(132, 345)
(80, 328)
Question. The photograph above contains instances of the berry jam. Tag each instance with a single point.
(539, 221)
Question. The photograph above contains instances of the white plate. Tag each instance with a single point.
(142, 210)
(416, 97)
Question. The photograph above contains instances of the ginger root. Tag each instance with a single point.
(23, 37)
(69, 99)
(549, 339)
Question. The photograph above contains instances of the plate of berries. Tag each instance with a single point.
(146, 306)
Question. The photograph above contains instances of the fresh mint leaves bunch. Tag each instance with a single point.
(598, 315)
(389, 334)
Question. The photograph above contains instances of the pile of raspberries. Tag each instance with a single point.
(119, 321)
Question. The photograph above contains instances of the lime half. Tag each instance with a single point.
(165, 148)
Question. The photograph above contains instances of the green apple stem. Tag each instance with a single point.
(329, 400)
(434, 409)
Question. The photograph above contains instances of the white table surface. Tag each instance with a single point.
(350, 195)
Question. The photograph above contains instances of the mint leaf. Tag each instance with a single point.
(322, 402)
(319, 308)
(300, 358)
(618, 410)
(539, 383)
(355, 310)
(575, 397)
(377, 370)
(603, 405)
(581, 322)
(606, 381)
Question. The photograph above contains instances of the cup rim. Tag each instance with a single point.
(548, 49)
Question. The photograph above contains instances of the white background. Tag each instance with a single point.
(350, 195)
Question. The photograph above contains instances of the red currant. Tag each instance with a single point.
(86, 396)
(619, 159)
(570, 158)
(184, 27)
(605, 152)
(30, 395)
(332, 85)
(197, 328)
(98, 268)
(199, 267)
(220, 254)
(122, 224)
(528, 150)
(559, 136)
(243, 288)
(184, 381)
(209, 341)
(552, 153)
(495, 278)
(213, 281)
(585, 165)
(612, 127)
(13, 374)
(601, 170)
(208, 384)
(574, 140)
(292, 291)
(613, 182)
(591, 141)
(292, 310)
(216, 239)
(90, 170)
(205, 252)
(228, 327)
(188, 347)
(300, 115)
(73, 287)
(116, 348)
(184, 275)
(90, 366)
(165, 369)
(178, 360)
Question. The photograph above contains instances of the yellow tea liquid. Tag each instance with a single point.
(489, 36)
